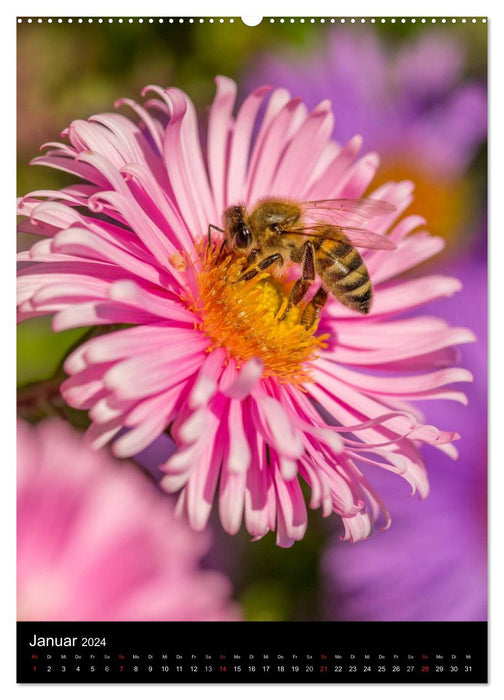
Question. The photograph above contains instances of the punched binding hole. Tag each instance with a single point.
(251, 21)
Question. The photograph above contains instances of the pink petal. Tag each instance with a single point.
(247, 379)
(292, 517)
(206, 383)
(303, 151)
(152, 373)
(219, 129)
(240, 145)
(267, 152)
(276, 428)
(231, 500)
(239, 455)
(325, 187)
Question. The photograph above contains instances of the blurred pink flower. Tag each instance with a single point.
(98, 541)
(252, 402)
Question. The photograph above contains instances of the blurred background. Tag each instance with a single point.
(417, 94)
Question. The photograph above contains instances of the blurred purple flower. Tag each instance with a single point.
(413, 104)
(432, 564)
(413, 99)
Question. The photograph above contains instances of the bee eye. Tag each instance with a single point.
(243, 237)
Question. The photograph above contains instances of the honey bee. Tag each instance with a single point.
(308, 233)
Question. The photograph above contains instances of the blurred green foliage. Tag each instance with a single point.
(272, 583)
(283, 584)
(40, 351)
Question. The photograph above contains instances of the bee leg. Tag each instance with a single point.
(251, 268)
(212, 226)
(223, 245)
(312, 309)
(267, 262)
(303, 284)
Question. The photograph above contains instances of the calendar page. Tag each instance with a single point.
(252, 350)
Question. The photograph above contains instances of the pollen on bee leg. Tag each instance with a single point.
(243, 317)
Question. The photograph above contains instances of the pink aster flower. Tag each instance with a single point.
(254, 404)
(98, 541)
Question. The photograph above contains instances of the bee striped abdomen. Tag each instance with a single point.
(345, 275)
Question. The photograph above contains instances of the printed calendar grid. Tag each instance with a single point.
(236, 652)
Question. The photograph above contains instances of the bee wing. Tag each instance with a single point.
(340, 209)
(359, 237)
(367, 239)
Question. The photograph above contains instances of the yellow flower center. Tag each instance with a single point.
(242, 317)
